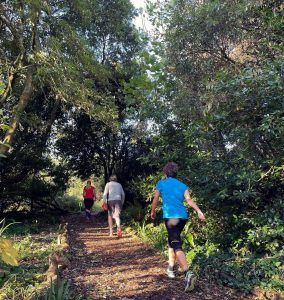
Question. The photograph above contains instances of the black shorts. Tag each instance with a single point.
(88, 203)
(174, 227)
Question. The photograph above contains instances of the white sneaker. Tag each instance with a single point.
(190, 280)
(170, 273)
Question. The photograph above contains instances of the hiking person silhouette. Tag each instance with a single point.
(114, 197)
(175, 215)
(89, 195)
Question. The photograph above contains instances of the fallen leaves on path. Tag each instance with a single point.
(104, 267)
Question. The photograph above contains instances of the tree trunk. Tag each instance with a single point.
(19, 109)
(7, 89)
(52, 116)
(11, 78)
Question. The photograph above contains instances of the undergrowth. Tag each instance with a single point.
(35, 242)
(215, 264)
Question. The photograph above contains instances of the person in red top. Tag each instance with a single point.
(89, 195)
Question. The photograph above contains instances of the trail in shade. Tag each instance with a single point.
(104, 267)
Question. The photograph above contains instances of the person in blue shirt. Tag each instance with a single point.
(174, 193)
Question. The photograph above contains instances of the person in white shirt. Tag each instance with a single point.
(114, 197)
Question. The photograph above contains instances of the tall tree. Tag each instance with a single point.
(224, 60)
(71, 80)
(41, 47)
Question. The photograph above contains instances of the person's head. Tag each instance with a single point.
(113, 178)
(170, 169)
(88, 182)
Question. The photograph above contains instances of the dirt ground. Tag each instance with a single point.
(104, 267)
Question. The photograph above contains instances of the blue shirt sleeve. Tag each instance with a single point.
(159, 186)
(185, 188)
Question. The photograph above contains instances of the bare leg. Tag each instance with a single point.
(110, 224)
(117, 220)
(172, 257)
(182, 260)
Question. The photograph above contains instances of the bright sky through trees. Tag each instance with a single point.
(142, 20)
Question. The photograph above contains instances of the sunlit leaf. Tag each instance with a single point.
(190, 239)
(8, 253)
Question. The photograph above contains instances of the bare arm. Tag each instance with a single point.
(154, 204)
(94, 194)
(84, 192)
(122, 196)
(192, 204)
(105, 193)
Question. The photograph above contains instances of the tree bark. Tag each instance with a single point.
(15, 28)
(19, 109)
(7, 89)
(10, 78)
(18, 34)
(52, 116)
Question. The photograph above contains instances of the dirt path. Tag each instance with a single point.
(105, 267)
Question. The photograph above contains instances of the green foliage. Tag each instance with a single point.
(33, 226)
(145, 186)
(133, 212)
(234, 270)
(155, 235)
(8, 253)
(147, 91)
(3, 127)
(34, 243)
(58, 290)
(77, 58)
(207, 93)
(223, 125)
(244, 273)
(70, 203)
(142, 189)
(72, 199)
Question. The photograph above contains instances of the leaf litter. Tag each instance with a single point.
(104, 267)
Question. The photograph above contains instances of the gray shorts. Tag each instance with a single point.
(114, 208)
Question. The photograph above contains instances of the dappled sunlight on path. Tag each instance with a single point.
(105, 267)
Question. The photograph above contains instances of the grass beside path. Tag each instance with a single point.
(35, 242)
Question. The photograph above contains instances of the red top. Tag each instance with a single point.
(89, 193)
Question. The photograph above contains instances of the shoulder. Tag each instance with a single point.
(117, 184)
(181, 184)
(160, 183)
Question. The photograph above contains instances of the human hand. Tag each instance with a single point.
(201, 216)
(153, 215)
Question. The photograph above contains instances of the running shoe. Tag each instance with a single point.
(190, 280)
(88, 214)
(170, 272)
(119, 233)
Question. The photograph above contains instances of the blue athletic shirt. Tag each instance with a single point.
(172, 192)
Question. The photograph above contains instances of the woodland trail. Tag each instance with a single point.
(104, 267)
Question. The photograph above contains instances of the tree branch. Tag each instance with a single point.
(15, 29)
